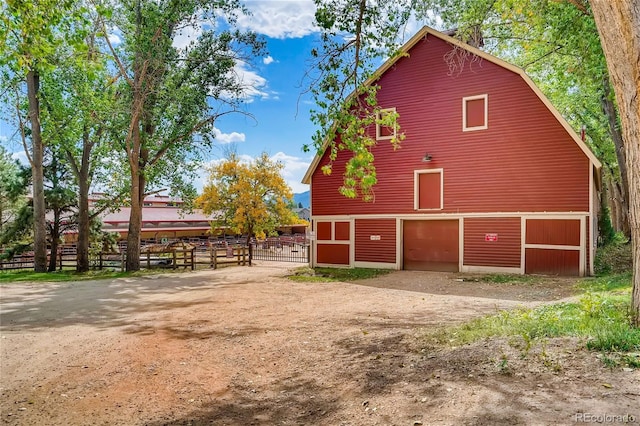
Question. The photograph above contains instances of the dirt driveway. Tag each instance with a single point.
(242, 346)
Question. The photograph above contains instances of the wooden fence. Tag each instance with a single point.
(211, 256)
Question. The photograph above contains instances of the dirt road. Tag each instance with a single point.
(241, 346)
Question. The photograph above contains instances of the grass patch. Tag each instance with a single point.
(508, 279)
(306, 274)
(601, 316)
(613, 282)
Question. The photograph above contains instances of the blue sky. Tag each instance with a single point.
(281, 124)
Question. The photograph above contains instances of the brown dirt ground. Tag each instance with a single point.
(242, 346)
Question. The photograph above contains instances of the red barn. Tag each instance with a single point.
(490, 177)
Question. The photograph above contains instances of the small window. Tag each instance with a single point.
(385, 132)
(428, 189)
(474, 113)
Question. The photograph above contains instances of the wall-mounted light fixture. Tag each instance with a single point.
(427, 157)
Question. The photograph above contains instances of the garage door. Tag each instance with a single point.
(430, 245)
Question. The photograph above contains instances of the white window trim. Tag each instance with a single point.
(464, 113)
(379, 136)
(416, 188)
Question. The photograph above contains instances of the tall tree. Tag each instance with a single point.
(60, 201)
(78, 101)
(618, 24)
(30, 33)
(251, 199)
(171, 96)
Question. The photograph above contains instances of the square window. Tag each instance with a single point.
(385, 132)
(474, 113)
(428, 189)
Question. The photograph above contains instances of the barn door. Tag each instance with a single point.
(430, 245)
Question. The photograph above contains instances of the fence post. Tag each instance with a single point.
(122, 261)
(175, 258)
(100, 260)
(149, 259)
(211, 255)
(214, 254)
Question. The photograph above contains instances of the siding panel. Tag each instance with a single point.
(553, 232)
(323, 231)
(342, 231)
(505, 252)
(334, 254)
(382, 250)
(552, 262)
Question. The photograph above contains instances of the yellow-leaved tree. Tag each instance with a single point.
(251, 199)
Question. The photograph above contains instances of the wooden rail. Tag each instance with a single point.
(211, 256)
(226, 255)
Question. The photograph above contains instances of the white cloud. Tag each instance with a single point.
(268, 60)
(226, 138)
(253, 84)
(186, 35)
(21, 156)
(114, 39)
(280, 19)
(294, 170)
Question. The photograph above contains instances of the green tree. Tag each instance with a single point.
(78, 100)
(250, 199)
(60, 200)
(30, 34)
(344, 87)
(170, 96)
(13, 189)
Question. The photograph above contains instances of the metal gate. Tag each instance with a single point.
(282, 249)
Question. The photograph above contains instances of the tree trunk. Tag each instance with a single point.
(615, 132)
(618, 23)
(37, 172)
(82, 248)
(249, 236)
(82, 175)
(135, 220)
(55, 236)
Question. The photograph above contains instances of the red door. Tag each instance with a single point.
(430, 245)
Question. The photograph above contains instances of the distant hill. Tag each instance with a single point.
(303, 198)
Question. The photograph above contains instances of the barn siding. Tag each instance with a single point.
(524, 161)
(382, 250)
(333, 254)
(552, 262)
(553, 232)
(505, 252)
